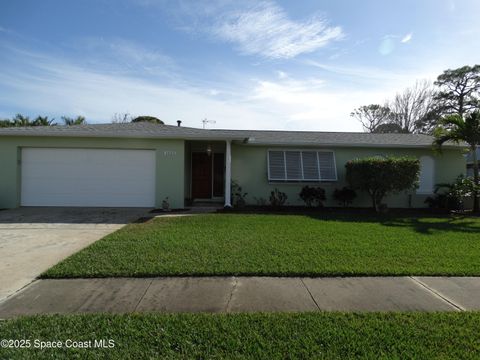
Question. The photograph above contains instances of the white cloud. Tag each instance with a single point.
(312, 104)
(266, 30)
(407, 38)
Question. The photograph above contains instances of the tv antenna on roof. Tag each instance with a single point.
(206, 121)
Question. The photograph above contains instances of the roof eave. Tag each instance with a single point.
(359, 145)
(130, 136)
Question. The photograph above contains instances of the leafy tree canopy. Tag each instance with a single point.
(372, 116)
(459, 90)
(150, 119)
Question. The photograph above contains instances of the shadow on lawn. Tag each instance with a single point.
(421, 221)
(429, 227)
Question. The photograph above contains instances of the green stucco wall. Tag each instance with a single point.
(249, 169)
(170, 170)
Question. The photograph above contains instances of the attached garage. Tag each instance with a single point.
(87, 177)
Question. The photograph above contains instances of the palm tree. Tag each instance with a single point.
(20, 120)
(79, 120)
(458, 129)
(42, 121)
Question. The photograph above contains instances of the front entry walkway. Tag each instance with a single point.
(244, 294)
(33, 239)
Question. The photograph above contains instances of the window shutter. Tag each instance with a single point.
(310, 165)
(326, 164)
(276, 165)
(294, 165)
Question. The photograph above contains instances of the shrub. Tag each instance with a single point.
(344, 196)
(277, 198)
(381, 176)
(313, 195)
(238, 196)
(454, 195)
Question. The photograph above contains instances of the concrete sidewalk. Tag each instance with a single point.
(244, 294)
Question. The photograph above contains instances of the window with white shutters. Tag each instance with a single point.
(276, 167)
(293, 164)
(301, 165)
(326, 163)
(310, 166)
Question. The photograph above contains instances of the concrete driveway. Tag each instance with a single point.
(34, 239)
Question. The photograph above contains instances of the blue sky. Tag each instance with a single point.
(296, 65)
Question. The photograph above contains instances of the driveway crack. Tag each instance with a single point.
(234, 287)
(437, 294)
(143, 295)
(311, 296)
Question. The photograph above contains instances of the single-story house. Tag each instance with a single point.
(142, 164)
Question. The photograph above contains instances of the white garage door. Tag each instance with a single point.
(87, 177)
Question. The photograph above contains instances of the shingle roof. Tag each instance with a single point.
(255, 137)
(122, 130)
(334, 138)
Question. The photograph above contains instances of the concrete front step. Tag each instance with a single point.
(244, 294)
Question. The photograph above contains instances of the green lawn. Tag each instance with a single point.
(248, 336)
(287, 245)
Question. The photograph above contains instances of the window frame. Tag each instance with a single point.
(301, 150)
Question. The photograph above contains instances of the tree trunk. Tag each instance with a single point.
(475, 180)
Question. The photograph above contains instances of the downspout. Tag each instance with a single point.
(228, 174)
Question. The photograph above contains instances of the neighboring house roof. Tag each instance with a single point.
(470, 156)
(252, 137)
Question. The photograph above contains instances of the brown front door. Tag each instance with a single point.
(218, 174)
(201, 176)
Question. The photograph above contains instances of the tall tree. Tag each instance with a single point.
(459, 90)
(457, 129)
(413, 108)
(79, 120)
(372, 116)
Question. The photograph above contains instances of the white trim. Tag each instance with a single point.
(301, 150)
(228, 174)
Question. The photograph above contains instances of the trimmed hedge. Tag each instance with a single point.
(380, 176)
